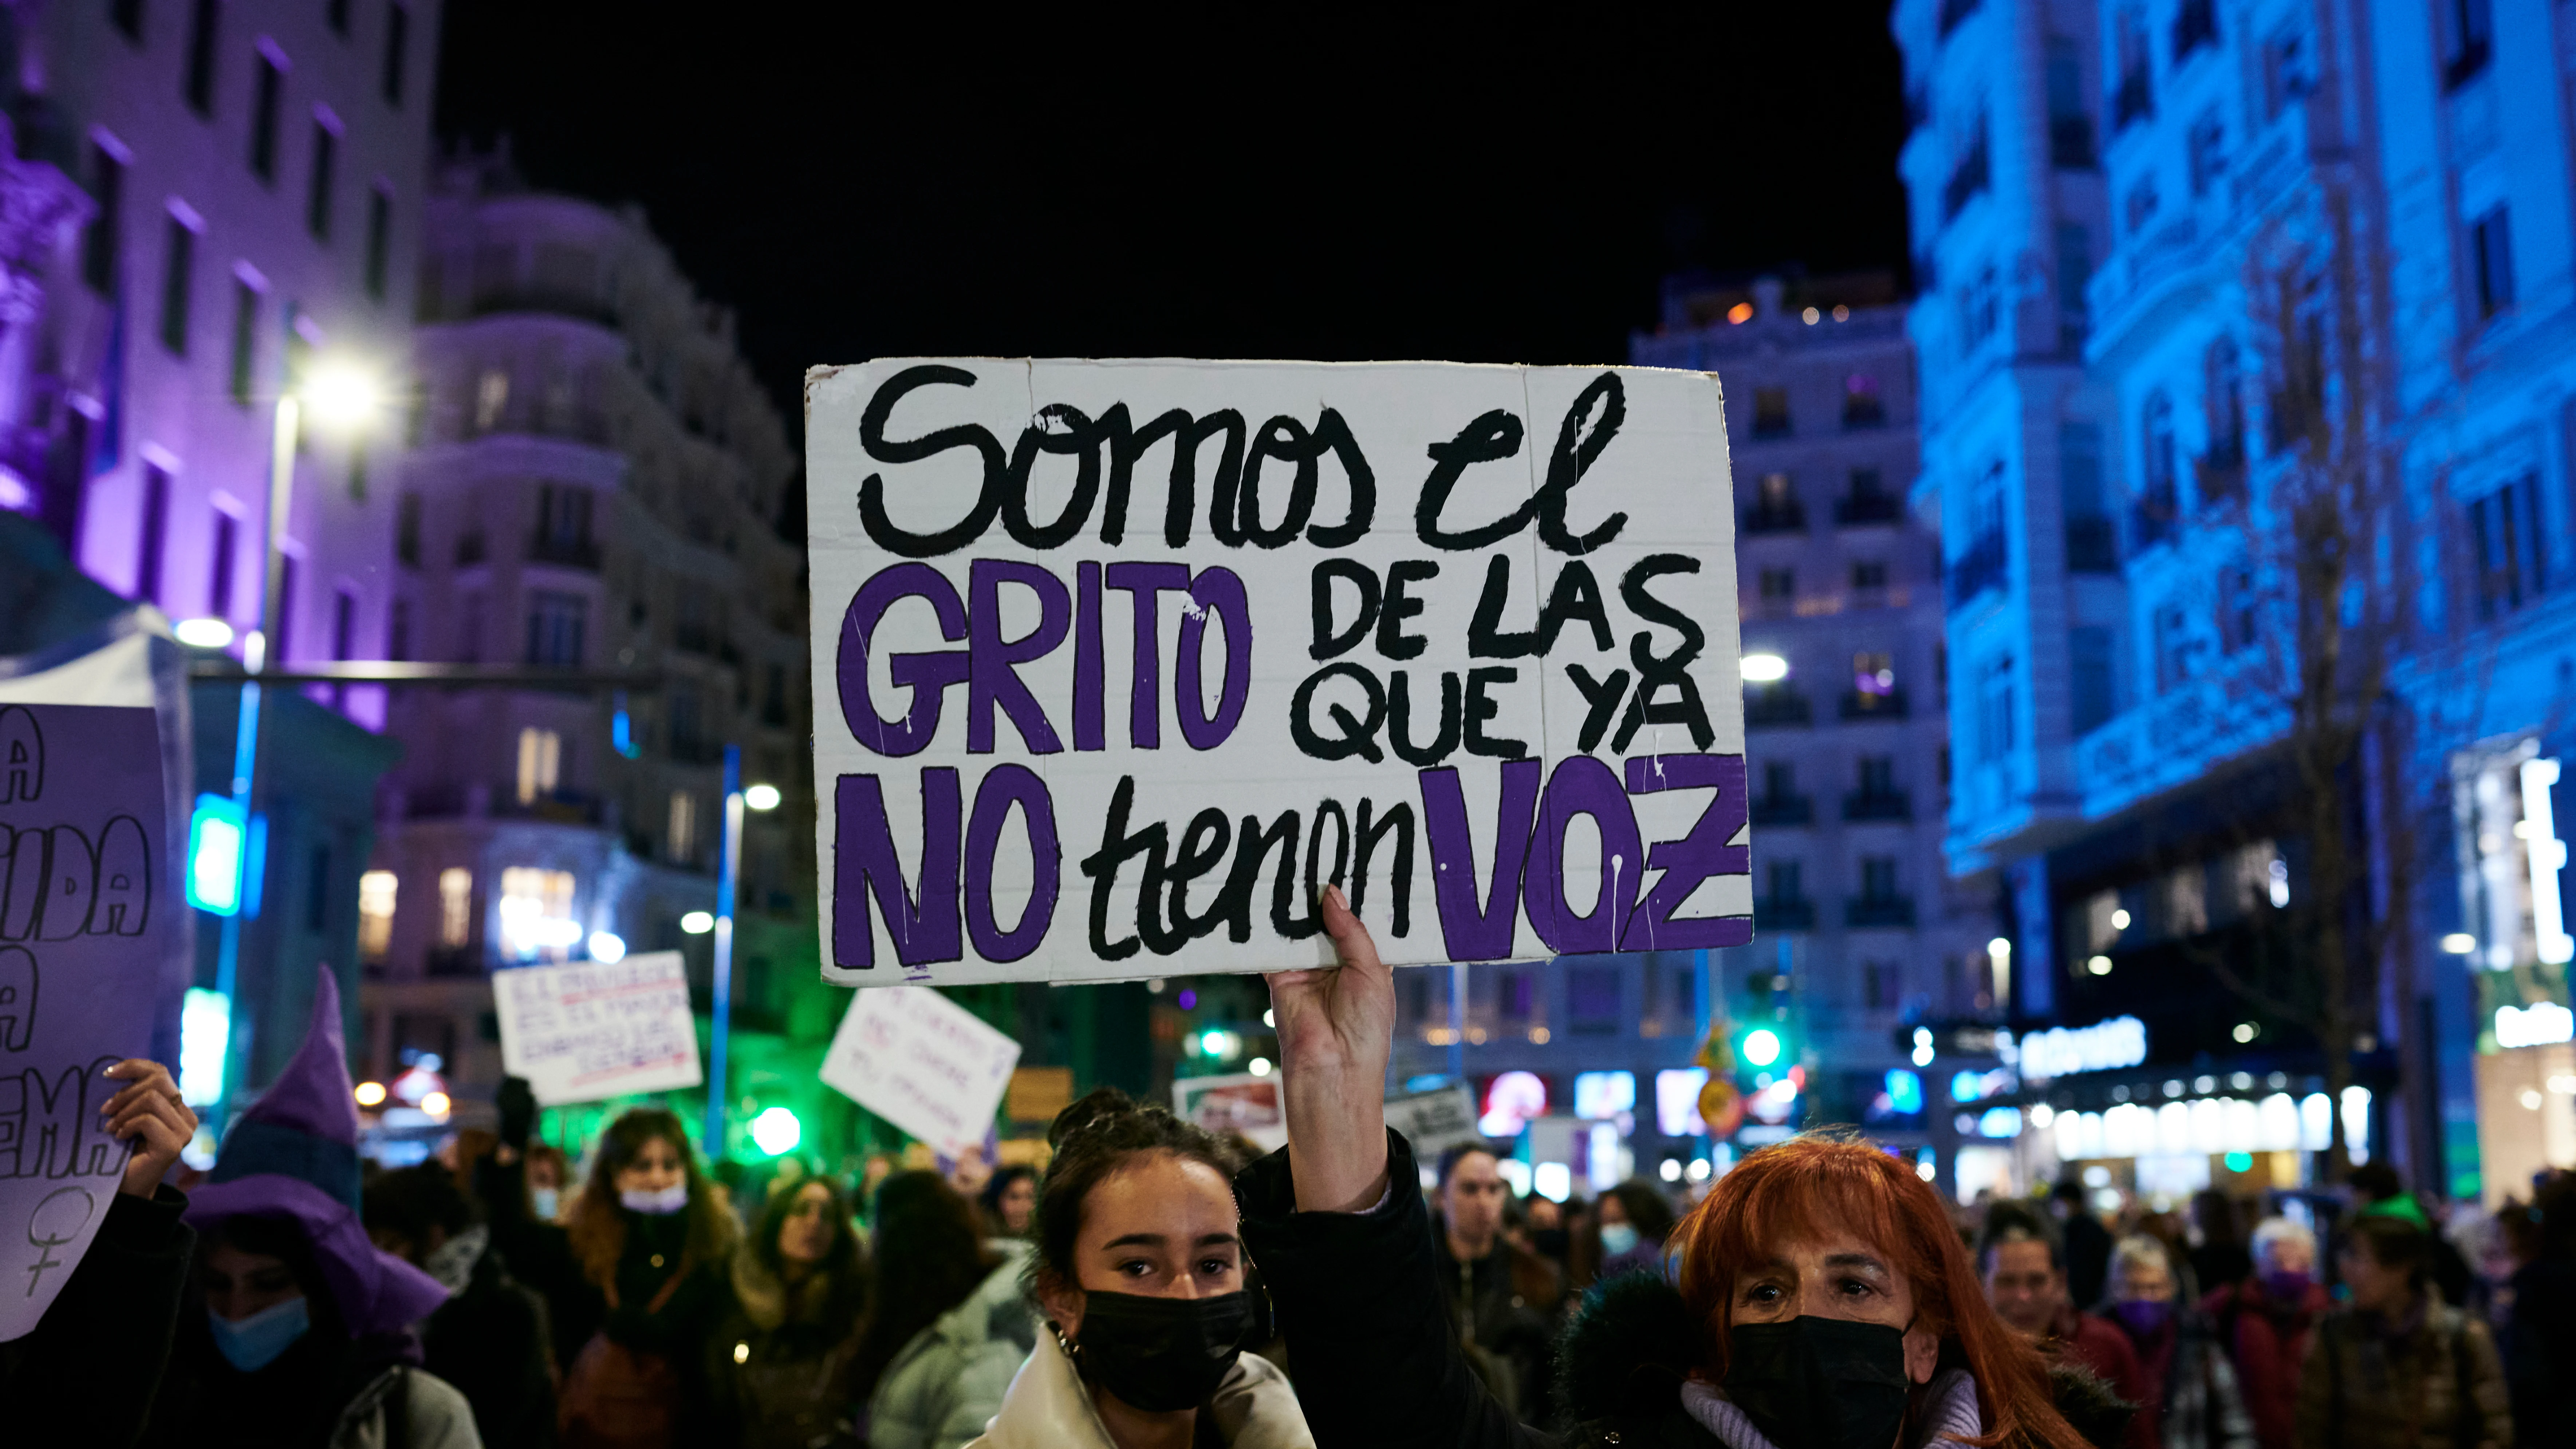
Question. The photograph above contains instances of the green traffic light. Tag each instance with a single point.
(1761, 1046)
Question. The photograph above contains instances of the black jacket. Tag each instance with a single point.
(1378, 1360)
(63, 1384)
(490, 1341)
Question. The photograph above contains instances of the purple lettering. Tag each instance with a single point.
(1145, 582)
(1087, 666)
(1004, 786)
(1705, 852)
(990, 678)
(1582, 785)
(922, 924)
(1471, 932)
(1214, 591)
(927, 675)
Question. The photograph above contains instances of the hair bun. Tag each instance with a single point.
(1100, 1104)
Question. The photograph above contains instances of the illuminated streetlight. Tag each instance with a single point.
(2459, 943)
(204, 633)
(342, 395)
(776, 1131)
(1762, 1046)
(607, 947)
(698, 923)
(1763, 668)
(370, 1094)
(435, 1104)
(761, 797)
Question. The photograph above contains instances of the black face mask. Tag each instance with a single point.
(1820, 1383)
(1162, 1354)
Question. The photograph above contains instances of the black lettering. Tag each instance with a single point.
(881, 529)
(1399, 720)
(1287, 440)
(1576, 596)
(1658, 673)
(1489, 439)
(1117, 847)
(1485, 639)
(1298, 928)
(1203, 845)
(1575, 450)
(1392, 641)
(1253, 845)
(1081, 440)
(1328, 643)
(1481, 707)
(1186, 435)
(1600, 699)
(1334, 434)
(1399, 820)
(1358, 736)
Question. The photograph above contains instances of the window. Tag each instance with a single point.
(2195, 25)
(563, 524)
(2156, 494)
(2133, 99)
(398, 631)
(2504, 528)
(376, 892)
(1878, 775)
(1880, 985)
(1779, 586)
(2140, 206)
(1862, 406)
(1779, 780)
(2238, 609)
(1514, 994)
(2074, 275)
(1869, 576)
(317, 196)
(1874, 673)
(469, 629)
(2092, 545)
(2226, 383)
(1978, 309)
(1953, 13)
(1770, 412)
(1995, 710)
(2179, 647)
(219, 576)
(380, 231)
(344, 624)
(455, 907)
(540, 763)
(1784, 878)
(99, 241)
(2466, 34)
(155, 533)
(2491, 252)
(491, 395)
(178, 284)
(267, 81)
(555, 627)
(1592, 1003)
(397, 42)
(1775, 506)
(245, 339)
(536, 913)
(1968, 176)
(2207, 151)
(317, 890)
(286, 571)
(1878, 878)
(2070, 121)
(2088, 667)
(682, 834)
(127, 16)
(2286, 80)
(407, 530)
(203, 31)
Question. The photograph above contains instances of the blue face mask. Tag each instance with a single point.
(253, 1343)
(544, 1200)
(1617, 1238)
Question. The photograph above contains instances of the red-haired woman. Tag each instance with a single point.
(1823, 1301)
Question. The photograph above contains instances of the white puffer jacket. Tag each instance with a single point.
(1048, 1407)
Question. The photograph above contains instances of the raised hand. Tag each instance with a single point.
(1336, 1030)
(148, 1110)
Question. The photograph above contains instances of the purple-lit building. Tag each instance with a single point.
(203, 201)
(595, 482)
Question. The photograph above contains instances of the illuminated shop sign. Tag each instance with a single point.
(2104, 1046)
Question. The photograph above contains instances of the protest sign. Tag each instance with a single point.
(595, 1029)
(1434, 1121)
(1240, 1102)
(90, 925)
(1121, 661)
(924, 1063)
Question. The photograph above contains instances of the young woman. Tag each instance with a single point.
(653, 1244)
(296, 1331)
(1824, 1302)
(783, 1359)
(1010, 1201)
(2394, 1368)
(1634, 1221)
(950, 1324)
(1140, 1272)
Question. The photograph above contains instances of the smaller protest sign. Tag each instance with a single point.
(922, 1062)
(1241, 1103)
(595, 1029)
(1434, 1121)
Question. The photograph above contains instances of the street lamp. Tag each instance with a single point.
(342, 397)
(720, 1017)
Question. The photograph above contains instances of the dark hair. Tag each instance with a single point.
(999, 1183)
(1093, 1139)
(2392, 1243)
(2018, 1222)
(1456, 1153)
(282, 1238)
(930, 1255)
(844, 1261)
(2218, 1218)
(2376, 1182)
(1648, 1211)
(598, 1226)
(412, 1200)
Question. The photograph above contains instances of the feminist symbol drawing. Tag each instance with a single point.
(55, 1222)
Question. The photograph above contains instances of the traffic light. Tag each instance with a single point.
(217, 836)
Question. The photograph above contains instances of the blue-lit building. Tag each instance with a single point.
(2145, 233)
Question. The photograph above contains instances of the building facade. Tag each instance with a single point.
(2302, 252)
(244, 187)
(595, 483)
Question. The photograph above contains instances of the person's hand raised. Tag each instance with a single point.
(1336, 1030)
(148, 1110)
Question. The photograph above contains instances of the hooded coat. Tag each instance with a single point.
(1049, 1407)
(948, 1382)
(780, 1360)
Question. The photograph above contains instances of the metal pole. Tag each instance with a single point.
(722, 1023)
(1458, 1020)
(258, 652)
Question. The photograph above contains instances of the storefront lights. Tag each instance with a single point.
(2543, 1023)
(2547, 855)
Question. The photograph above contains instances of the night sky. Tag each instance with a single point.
(1479, 190)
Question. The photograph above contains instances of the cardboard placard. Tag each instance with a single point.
(1434, 1121)
(90, 911)
(1236, 1103)
(924, 1063)
(1119, 662)
(592, 1029)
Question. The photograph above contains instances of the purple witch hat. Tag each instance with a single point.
(294, 1154)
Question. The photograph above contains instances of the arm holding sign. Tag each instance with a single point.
(1337, 1224)
(99, 1352)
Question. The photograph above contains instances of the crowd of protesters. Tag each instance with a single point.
(1153, 1286)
